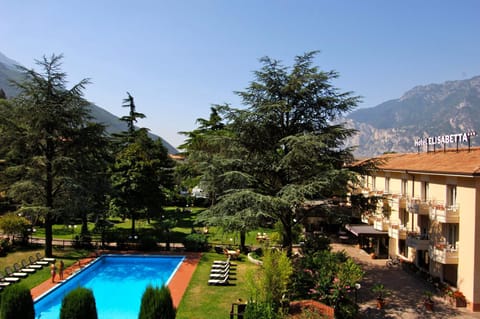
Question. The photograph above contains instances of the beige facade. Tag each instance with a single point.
(430, 205)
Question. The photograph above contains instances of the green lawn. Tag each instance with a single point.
(202, 301)
(68, 255)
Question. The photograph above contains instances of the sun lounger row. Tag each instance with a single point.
(220, 272)
(16, 272)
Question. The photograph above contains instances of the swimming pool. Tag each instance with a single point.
(118, 283)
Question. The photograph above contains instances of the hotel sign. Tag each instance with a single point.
(445, 139)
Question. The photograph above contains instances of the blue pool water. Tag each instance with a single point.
(118, 283)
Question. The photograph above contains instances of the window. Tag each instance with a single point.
(452, 235)
(374, 183)
(387, 185)
(451, 195)
(424, 192)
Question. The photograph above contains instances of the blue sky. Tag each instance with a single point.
(179, 57)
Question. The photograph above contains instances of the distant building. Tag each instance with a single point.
(429, 213)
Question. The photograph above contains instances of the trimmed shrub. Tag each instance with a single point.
(148, 243)
(79, 304)
(16, 302)
(157, 303)
(196, 242)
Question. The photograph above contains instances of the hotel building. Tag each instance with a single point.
(428, 212)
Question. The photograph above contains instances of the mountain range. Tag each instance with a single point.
(433, 110)
(9, 71)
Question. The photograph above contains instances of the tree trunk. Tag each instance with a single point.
(49, 199)
(243, 236)
(287, 235)
(133, 223)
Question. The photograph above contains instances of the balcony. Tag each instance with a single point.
(417, 241)
(399, 201)
(397, 231)
(420, 207)
(381, 224)
(445, 214)
(442, 254)
(424, 208)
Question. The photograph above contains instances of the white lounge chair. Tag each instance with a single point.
(37, 262)
(25, 264)
(40, 258)
(219, 276)
(11, 273)
(223, 281)
(9, 279)
(219, 271)
(17, 268)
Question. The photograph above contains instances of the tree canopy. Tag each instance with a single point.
(50, 140)
(284, 148)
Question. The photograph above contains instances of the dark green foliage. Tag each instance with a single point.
(260, 310)
(157, 303)
(79, 304)
(148, 243)
(314, 244)
(55, 154)
(16, 303)
(269, 158)
(196, 242)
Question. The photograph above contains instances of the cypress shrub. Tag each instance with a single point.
(157, 303)
(79, 304)
(196, 242)
(16, 302)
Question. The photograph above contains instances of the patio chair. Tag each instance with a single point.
(33, 261)
(234, 254)
(218, 282)
(11, 273)
(25, 264)
(40, 258)
(17, 268)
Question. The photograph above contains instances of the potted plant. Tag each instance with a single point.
(428, 301)
(460, 300)
(381, 292)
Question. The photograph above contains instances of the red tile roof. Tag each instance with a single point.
(450, 161)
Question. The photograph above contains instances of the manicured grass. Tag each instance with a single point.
(68, 255)
(202, 301)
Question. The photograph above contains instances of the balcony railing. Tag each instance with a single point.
(381, 224)
(445, 214)
(399, 200)
(418, 241)
(397, 231)
(444, 254)
(420, 207)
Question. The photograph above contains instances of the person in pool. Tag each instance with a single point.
(53, 271)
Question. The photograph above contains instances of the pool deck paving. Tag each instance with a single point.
(406, 296)
(178, 284)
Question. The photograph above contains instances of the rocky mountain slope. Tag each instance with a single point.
(425, 111)
(8, 71)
